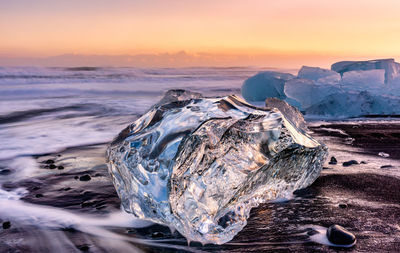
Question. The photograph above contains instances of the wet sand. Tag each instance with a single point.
(363, 198)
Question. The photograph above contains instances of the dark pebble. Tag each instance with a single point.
(83, 247)
(60, 167)
(386, 166)
(363, 162)
(49, 161)
(157, 235)
(349, 163)
(39, 195)
(343, 205)
(5, 172)
(52, 166)
(85, 178)
(333, 160)
(339, 235)
(6, 225)
(76, 177)
(312, 232)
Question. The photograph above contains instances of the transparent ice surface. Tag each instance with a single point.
(201, 164)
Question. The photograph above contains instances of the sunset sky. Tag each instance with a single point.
(302, 28)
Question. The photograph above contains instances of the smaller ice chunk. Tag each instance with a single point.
(353, 104)
(307, 92)
(392, 68)
(292, 114)
(364, 80)
(319, 74)
(265, 85)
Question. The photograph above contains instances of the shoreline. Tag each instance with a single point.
(369, 193)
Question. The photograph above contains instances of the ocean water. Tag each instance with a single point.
(45, 110)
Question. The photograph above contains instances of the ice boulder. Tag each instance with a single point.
(292, 114)
(201, 164)
(319, 75)
(354, 104)
(392, 68)
(364, 80)
(306, 92)
(265, 85)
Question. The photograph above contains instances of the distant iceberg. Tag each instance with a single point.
(264, 85)
(349, 89)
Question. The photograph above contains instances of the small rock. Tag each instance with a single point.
(333, 161)
(363, 162)
(39, 195)
(84, 247)
(52, 166)
(60, 167)
(5, 172)
(6, 225)
(49, 161)
(339, 235)
(85, 178)
(342, 205)
(386, 166)
(349, 163)
(76, 177)
(312, 232)
(88, 204)
(157, 235)
(383, 154)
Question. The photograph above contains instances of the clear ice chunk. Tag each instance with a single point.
(265, 85)
(390, 67)
(201, 164)
(319, 74)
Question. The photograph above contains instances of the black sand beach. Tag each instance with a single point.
(364, 198)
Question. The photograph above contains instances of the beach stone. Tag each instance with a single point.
(6, 225)
(83, 247)
(39, 195)
(312, 232)
(386, 166)
(339, 235)
(60, 167)
(5, 172)
(157, 235)
(342, 205)
(333, 161)
(85, 178)
(349, 163)
(52, 166)
(50, 161)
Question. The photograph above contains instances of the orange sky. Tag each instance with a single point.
(285, 27)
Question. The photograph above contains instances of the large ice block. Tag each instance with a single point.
(392, 68)
(265, 85)
(201, 164)
(319, 74)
